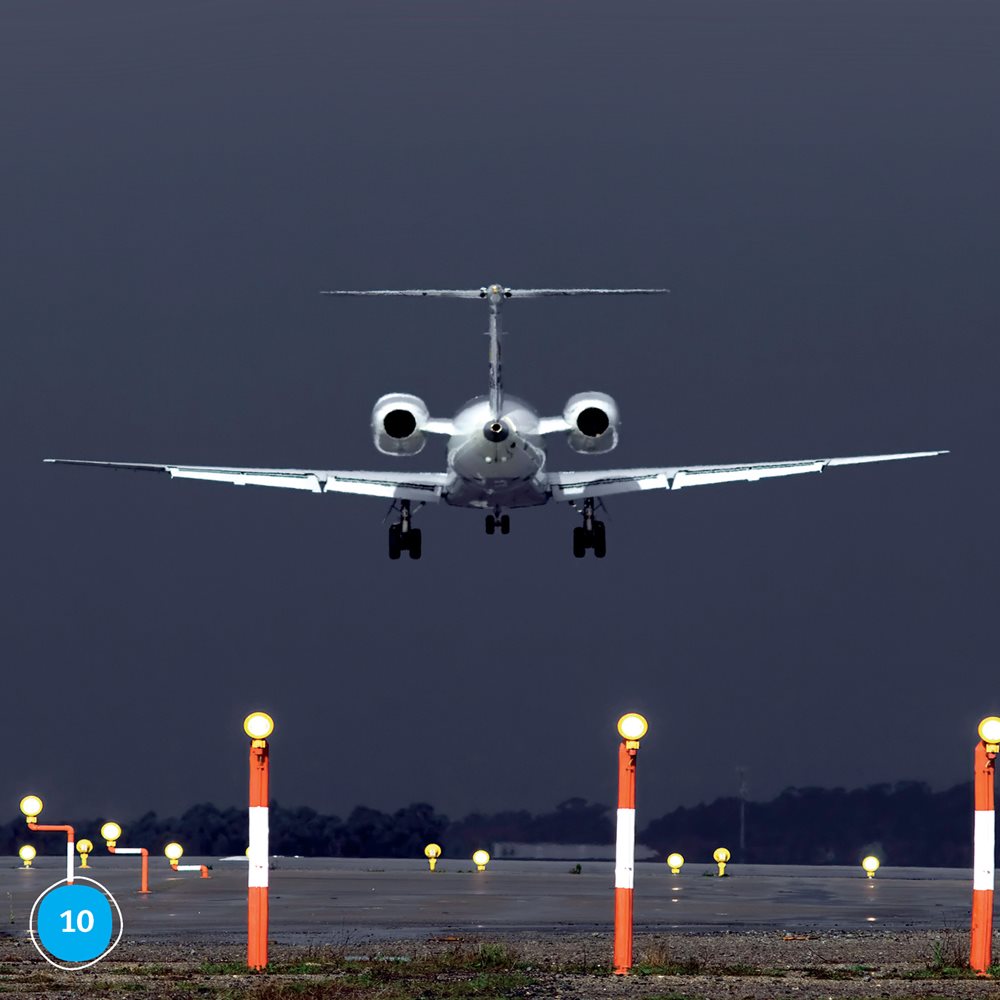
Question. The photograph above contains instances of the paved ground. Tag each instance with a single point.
(337, 901)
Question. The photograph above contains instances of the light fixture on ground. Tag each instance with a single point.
(84, 848)
(721, 857)
(258, 726)
(983, 856)
(675, 862)
(481, 859)
(27, 855)
(870, 865)
(111, 832)
(174, 852)
(432, 852)
(31, 806)
(631, 727)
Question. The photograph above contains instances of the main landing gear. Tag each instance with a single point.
(403, 538)
(497, 520)
(590, 535)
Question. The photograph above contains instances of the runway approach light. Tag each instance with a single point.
(632, 727)
(989, 733)
(27, 855)
(84, 847)
(111, 832)
(870, 865)
(481, 859)
(31, 806)
(676, 863)
(173, 853)
(432, 852)
(720, 857)
(258, 725)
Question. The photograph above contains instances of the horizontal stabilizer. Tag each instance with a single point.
(482, 293)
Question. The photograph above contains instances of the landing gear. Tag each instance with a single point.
(498, 520)
(403, 538)
(589, 535)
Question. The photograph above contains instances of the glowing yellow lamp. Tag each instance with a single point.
(676, 863)
(31, 806)
(481, 859)
(174, 852)
(432, 852)
(870, 865)
(632, 727)
(111, 832)
(989, 730)
(721, 856)
(258, 725)
(27, 855)
(84, 847)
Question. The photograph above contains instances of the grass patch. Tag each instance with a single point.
(481, 986)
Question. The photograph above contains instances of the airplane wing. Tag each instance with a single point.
(421, 486)
(578, 485)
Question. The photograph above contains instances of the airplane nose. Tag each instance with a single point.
(495, 431)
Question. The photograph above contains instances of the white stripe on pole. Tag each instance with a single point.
(69, 860)
(625, 849)
(189, 868)
(257, 872)
(982, 856)
(128, 850)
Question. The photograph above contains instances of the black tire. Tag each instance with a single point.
(600, 543)
(505, 524)
(394, 541)
(414, 544)
(491, 524)
(579, 543)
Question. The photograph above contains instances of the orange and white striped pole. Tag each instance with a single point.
(258, 726)
(631, 727)
(984, 833)
(174, 852)
(111, 832)
(31, 806)
(192, 868)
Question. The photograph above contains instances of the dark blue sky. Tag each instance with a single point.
(816, 182)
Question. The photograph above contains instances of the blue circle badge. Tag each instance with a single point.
(75, 922)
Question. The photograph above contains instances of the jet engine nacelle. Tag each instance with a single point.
(593, 422)
(397, 423)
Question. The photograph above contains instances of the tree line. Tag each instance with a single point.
(903, 824)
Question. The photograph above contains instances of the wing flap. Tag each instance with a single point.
(577, 485)
(422, 486)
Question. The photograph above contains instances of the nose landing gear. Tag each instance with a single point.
(589, 535)
(497, 520)
(402, 537)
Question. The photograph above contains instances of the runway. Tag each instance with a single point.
(340, 900)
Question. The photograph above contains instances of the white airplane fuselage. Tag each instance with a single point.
(496, 461)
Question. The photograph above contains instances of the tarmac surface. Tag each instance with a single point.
(341, 900)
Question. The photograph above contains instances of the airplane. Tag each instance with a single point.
(497, 449)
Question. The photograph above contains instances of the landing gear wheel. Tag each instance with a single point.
(505, 524)
(491, 524)
(414, 543)
(598, 540)
(395, 541)
(590, 534)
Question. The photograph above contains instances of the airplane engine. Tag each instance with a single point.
(397, 423)
(593, 422)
